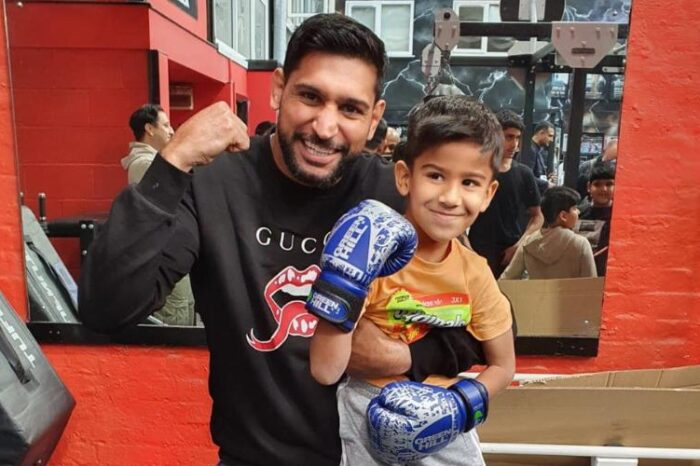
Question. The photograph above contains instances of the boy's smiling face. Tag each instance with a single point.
(447, 187)
(601, 191)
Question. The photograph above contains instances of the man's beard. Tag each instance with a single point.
(347, 158)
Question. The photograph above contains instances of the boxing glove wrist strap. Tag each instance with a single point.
(476, 400)
(335, 304)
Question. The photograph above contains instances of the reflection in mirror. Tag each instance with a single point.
(75, 88)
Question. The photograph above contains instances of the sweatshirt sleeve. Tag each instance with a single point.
(137, 169)
(148, 243)
(587, 260)
(515, 269)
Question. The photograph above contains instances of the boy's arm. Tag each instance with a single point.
(515, 269)
(587, 261)
(329, 352)
(500, 357)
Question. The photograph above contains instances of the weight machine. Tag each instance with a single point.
(543, 44)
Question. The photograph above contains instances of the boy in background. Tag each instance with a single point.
(555, 251)
(601, 190)
(451, 157)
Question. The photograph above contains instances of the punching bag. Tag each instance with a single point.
(34, 403)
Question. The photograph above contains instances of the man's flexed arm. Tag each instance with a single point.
(151, 238)
(148, 243)
(206, 135)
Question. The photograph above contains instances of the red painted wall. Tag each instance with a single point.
(150, 405)
(11, 255)
(196, 25)
(74, 91)
(651, 309)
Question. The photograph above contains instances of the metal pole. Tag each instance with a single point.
(528, 115)
(279, 34)
(573, 147)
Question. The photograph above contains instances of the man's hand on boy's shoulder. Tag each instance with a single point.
(446, 352)
(375, 354)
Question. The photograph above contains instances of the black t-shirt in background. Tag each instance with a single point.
(499, 227)
(590, 212)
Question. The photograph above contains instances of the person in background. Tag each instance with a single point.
(497, 233)
(264, 128)
(542, 137)
(555, 251)
(598, 210)
(372, 145)
(609, 157)
(152, 131)
(386, 149)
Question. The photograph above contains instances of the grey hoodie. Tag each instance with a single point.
(552, 253)
(140, 157)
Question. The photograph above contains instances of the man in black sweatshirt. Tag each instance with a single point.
(248, 220)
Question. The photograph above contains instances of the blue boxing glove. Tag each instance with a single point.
(408, 421)
(370, 240)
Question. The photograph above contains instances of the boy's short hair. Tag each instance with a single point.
(557, 199)
(147, 113)
(602, 171)
(453, 118)
(510, 119)
(336, 34)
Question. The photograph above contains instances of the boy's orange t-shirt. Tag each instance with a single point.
(460, 291)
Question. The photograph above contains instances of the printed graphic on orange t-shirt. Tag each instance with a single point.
(413, 317)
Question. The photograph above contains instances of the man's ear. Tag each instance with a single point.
(277, 88)
(490, 192)
(377, 113)
(402, 176)
(588, 187)
(563, 217)
(148, 129)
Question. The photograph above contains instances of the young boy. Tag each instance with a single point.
(448, 172)
(555, 251)
(601, 188)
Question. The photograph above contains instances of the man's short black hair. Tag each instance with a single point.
(264, 127)
(146, 114)
(602, 171)
(336, 34)
(556, 200)
(510, 119)
(542, 125)
(379, 135)
(453, 118)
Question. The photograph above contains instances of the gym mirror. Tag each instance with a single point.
(76, 83)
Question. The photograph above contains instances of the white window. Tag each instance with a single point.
(391, 20)
(299, 10)
(241, 29)
(486, 11)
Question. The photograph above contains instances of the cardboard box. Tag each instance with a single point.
(557, 308)
(642, 408)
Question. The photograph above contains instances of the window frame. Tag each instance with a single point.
(231, 51)
(377, 5)
(290, 26)
(483, 51)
